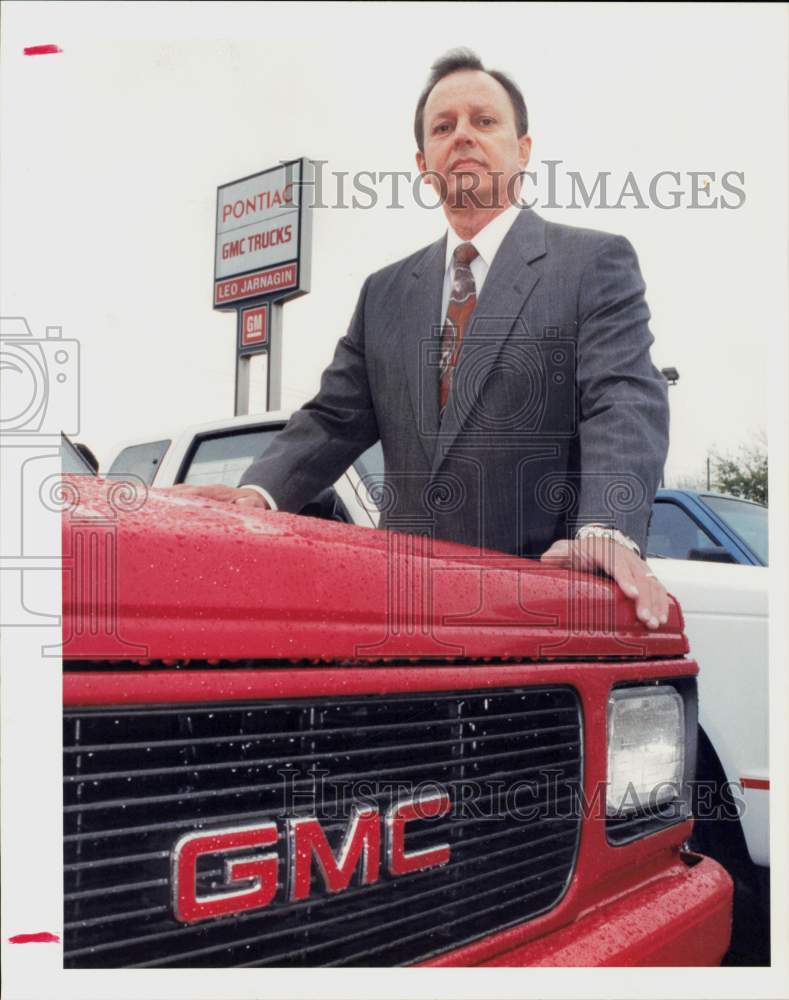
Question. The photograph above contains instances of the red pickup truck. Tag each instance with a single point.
(295, 742)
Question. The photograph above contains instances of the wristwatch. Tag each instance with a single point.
(599, 531)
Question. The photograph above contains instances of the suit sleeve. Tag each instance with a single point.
(322, 438)
(623, 398)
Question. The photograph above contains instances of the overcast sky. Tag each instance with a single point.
(113, 150)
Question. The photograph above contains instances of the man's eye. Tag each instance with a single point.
(443, 127)
(487, 120)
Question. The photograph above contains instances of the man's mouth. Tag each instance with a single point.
(465, 163)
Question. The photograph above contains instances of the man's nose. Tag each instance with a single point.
(464, 134)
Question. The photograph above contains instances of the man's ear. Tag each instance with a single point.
(421, 164)
(524, 150)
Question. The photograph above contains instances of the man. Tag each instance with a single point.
(505, 368)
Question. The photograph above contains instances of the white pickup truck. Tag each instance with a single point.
(723, 598)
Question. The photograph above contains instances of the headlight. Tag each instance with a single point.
(646, 748)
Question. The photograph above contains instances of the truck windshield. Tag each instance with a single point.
(224, 457)
(746, 519)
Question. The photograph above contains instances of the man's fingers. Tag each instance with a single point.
(634, 578)
(237, 495)
(559, 554)
(659, 599)
(652, 600)
(623, 575)
(630, 573)
(213, 491)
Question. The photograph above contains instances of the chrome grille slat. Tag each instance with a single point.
(114, 890)
(89, 865)
(115, 917)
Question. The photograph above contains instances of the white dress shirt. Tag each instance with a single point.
(486, 243)
(264, 493)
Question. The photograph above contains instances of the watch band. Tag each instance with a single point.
(599, 531)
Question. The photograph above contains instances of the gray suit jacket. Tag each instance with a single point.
(556, 418)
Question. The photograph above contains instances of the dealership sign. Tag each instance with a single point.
(262, 254)
(262, 236)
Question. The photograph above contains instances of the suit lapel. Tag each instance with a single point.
(507, 286)
(421, 323)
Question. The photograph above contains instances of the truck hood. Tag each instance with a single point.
(153, 576)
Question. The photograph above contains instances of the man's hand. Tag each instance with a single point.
(236, 495)
(630, 572)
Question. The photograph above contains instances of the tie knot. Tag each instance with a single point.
(465, 253)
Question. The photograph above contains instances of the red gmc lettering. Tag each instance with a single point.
(307, 845)
(400, 862)
(188, 906)
(307, 841)
(233, 249)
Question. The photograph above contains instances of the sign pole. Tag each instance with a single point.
(274, 363)
(241, 404)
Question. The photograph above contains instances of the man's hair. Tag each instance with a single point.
(462, 59)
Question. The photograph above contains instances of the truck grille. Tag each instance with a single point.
(136, 780)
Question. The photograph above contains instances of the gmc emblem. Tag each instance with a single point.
(306, 845)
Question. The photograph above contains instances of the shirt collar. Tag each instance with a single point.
(488, 239)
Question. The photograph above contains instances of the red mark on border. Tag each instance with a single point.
(42, 50)
(43, 937)
(763, 784)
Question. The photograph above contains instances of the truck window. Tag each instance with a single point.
(673, 533)
(73, 460)
(746, 519)
(224, 457)
(142, 460)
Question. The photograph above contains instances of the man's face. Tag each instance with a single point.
(471, 143)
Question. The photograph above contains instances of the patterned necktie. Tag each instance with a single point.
(462, 300)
